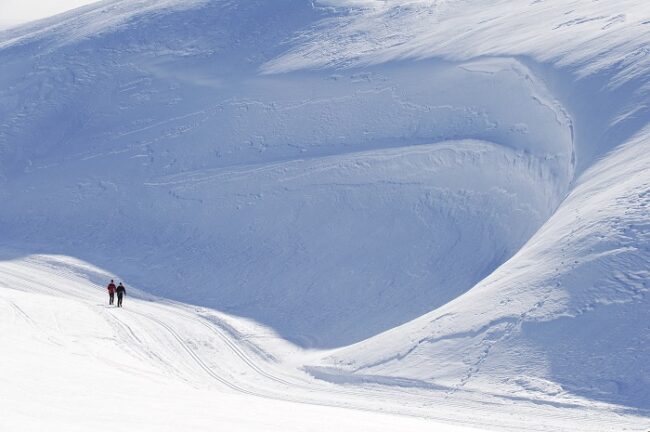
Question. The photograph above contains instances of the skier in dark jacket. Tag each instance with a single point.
(111, 292)
(121, 291)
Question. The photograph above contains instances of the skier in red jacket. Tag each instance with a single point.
(111, 292)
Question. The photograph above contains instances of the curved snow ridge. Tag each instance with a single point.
(435, 189)
(577, 290)
(441, 162)
(497, 100)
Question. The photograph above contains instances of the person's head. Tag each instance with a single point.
(120, 283)
(111, 280)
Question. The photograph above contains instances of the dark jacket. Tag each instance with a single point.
(120, 290)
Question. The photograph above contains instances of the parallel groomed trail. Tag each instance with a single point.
(184, 344)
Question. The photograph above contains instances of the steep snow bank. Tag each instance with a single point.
(571, 306)
(345, 241)
(150, 183)
(577, 289)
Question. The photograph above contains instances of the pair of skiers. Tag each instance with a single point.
(119, 290)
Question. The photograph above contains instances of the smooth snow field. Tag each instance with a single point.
(333, 214)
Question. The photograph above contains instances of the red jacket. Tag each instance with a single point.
(111, 288)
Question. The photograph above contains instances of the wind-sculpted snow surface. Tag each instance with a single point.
(572, 303)
(444, 196)
(285, 206)
(588, 35)
(601, 47)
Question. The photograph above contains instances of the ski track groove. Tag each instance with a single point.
(240, 354)
(148, 354)
(66, 274)
(197, 359)
(282, 396)
(314, 391)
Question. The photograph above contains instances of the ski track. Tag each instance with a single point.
(195, 357)
(274, 395)
(131, 338)
(182, 323)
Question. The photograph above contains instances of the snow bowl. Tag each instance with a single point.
(432, 211)
(353, 203)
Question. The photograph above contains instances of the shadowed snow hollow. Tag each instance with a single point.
(317, 203)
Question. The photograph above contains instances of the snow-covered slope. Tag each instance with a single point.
(570, 309)
(568, 313)
(275, 197)
(75, 363)
(430, 194)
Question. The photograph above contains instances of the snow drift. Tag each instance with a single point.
(276, 197)
(446, 193)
